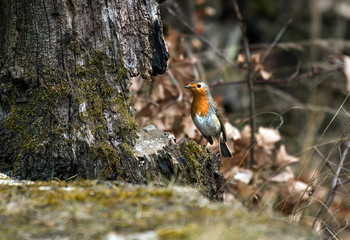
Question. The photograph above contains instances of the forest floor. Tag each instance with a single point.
(115, 210)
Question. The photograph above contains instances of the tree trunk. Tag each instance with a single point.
(65, 69)
(65, 106)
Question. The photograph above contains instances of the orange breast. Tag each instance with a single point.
(200, 105)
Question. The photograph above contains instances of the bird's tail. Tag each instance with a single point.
(225, 152)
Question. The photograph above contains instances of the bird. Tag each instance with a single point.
(206, 116)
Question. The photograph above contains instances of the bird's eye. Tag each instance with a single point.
(198, 86)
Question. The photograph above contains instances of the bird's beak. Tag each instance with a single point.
(188, 86)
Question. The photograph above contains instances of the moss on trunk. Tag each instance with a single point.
(44, 132)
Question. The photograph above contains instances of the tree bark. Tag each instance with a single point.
(65, 69)
(65, 106)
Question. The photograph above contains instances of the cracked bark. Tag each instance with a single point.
(52, 54)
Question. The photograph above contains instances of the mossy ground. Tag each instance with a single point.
(92, 210)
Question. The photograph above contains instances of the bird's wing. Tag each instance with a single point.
(221, 119)
(209, 139)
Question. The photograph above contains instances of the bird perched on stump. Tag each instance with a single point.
(207, 117)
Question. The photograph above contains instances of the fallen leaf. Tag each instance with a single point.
(265, 75)
(254, 63)
(283, 158)
(243, 175)
(189, 128)
(255, 58)
(231, 131)
(229, 198)
(284, 176)
(241, 58)
(246, 192)
(267, 137)
(244, 140)
(293, 193)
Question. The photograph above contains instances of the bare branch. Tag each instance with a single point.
(312, 73)
(203, 39)
(275, 41)
(294, 76)
(250, 76)
(335, 184)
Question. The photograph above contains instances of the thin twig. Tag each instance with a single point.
(282, 80)
(342, 138)
(324, 159)
(250, 76)
(344, 182)
(171, 11)
(171, 75)
(275, 41)
(330, 195)
(312, 73)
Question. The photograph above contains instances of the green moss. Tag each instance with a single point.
(85, 208)
(178, 233)
(31, 132)
(195, 156)
(93, 80)
(128, 128)
(93, 89)
(108, 154)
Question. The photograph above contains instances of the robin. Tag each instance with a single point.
(207, 117)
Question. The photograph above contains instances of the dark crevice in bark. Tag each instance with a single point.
(48, 23)
(59, 21)
(160, 54)
(72, 11)
(37, 41)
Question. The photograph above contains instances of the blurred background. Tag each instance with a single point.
(301, 92)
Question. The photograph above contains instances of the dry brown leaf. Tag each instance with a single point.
(135, 86)
(244, 140)
(174, 40)
(159, 103)
(196, 43)
(243, 175)
(292, 193)
(235, 174)
(232, 134)
(255, 58)
(300, 190)
(200, 27)
(229, 198)
(283, 158)
(255, 64)
(284, 176)
(245, 191)
(189, 128)
(265, 75)
(267, 137)
(231, 131)
(210, 11)
(265, 143)
(241, 58)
